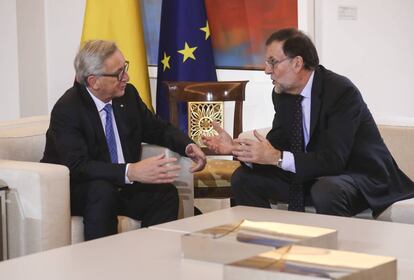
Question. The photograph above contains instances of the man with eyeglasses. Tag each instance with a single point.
(324, 148)
(96, 130)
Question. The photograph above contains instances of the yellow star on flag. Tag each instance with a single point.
(166, 61)
(206, 29)
(187, 52)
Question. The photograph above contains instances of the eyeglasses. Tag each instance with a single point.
(273, 63)
(118, 74)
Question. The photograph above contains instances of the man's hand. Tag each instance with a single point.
(220, 144)
(261, 151)
(196, 154)
(154, 170)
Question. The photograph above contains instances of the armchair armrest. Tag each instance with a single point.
(38, 207)
(249, 133)
(184, 182)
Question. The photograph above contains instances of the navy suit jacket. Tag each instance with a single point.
(344, 139)
(76, 138)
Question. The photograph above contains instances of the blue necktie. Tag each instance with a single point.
(110, 135)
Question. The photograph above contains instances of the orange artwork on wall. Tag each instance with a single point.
(239, 28)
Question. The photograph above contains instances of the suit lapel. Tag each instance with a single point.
(315, 101)
(93, 115)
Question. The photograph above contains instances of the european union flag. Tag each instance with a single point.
(185, 52)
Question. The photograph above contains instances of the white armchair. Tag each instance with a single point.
(38, 207)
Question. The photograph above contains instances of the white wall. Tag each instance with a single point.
(64, 21)
(31, 46)
(375, 51)
(40, 40)
(9, 77)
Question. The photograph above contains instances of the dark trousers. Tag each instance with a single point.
(100, 202)
(332, 195)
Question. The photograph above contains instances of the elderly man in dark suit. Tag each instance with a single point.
(324, 147)
(96, 130)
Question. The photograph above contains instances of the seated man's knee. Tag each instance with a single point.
(239, 179)
(163, 192)
(326, 193)
(171, 191)
(103, 192)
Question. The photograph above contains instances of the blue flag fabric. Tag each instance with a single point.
(185, 52)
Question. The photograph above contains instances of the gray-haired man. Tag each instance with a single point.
(96, 129)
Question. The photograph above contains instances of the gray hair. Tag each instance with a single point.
(91, 57)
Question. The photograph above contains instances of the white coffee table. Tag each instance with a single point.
(140, 254)
(358, 235)
(155, 253)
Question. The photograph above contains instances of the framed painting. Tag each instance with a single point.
(239, 29)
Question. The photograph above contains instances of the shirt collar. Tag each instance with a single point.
(306, 92)
(99, 103)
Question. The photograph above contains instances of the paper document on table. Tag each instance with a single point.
(299, 262)
(230, 242)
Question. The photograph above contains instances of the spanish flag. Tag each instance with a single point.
(120, 21)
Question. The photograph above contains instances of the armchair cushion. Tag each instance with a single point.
(124, 224)
(217, 173)
(400, 212)
(23, 139)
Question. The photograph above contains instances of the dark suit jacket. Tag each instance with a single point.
(344, 139)
(76, 138)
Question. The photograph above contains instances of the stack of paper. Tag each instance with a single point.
(299, 262)
(231, 242)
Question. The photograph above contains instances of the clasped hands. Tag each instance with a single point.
(162, 170)
(251, 151)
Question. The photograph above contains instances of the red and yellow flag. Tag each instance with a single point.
(120, 21)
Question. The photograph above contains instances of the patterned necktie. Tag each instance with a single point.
(296, 194)
(110, 135)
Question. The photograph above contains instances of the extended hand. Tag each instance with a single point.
(154, 170)
(261, 151)
(220, 144)
(196, 154)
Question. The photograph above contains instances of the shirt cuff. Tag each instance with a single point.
(127, 181)
(288, 163)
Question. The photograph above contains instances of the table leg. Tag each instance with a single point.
(3, 223)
